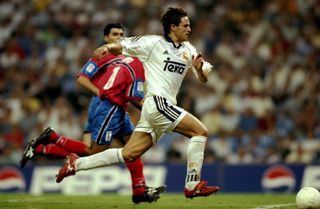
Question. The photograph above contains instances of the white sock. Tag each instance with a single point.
(105, 158)
(195, 155)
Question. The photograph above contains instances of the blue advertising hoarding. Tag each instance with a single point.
(231, 178)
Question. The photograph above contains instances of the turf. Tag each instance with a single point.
(167, 201)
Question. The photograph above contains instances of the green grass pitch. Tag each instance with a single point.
(167, 201)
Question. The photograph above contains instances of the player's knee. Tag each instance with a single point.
(203, 131)
(129, 156)
(88, 152)
(198, 129)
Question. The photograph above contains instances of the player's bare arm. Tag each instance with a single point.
(137, 104)
(113, 48)
(84, 81)
(197, 63)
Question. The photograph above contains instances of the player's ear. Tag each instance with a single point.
(173, 27)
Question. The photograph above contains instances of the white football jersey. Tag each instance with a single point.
(165, 65)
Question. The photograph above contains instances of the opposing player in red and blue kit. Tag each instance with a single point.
(116, 80)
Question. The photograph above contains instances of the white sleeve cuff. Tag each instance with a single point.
(207, 67)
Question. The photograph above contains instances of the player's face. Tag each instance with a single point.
(114, 35)
(182, 31)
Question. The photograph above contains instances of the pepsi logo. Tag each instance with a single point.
(278, 178)
(11, 179)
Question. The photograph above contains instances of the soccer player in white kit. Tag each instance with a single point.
(166, 60)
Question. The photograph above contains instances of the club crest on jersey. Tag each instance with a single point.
(185, 56)
(140, 86)
(174, 67)
(90, 67)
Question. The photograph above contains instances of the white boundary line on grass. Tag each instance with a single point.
(275, 206)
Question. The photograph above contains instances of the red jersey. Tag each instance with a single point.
(119, 78)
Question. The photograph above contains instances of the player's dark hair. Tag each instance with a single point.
(172, 16)
(108, 28)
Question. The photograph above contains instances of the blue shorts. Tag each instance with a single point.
(107, 121)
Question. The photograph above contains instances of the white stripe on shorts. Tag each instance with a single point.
(168, 110)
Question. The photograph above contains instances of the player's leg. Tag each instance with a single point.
(36, 145)
(114, 156)
(191, 127)
(183, 122)
(66, 143)
(51, 150)
(51, 143)
(95, 148)
(32, 144)
(105, 158)
(138, 144)
(109, 121)
(141, 192)
(86, 138)
(162, 114)
(70, 145)
(135, 167)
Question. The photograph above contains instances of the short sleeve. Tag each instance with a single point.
(139, 46)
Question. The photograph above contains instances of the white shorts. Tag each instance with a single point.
(159, 116)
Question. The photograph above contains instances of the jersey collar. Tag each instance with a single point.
(167, 37)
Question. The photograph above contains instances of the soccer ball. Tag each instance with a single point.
(308, 198)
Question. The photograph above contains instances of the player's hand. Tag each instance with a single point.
(197, 62)
(100, 52)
